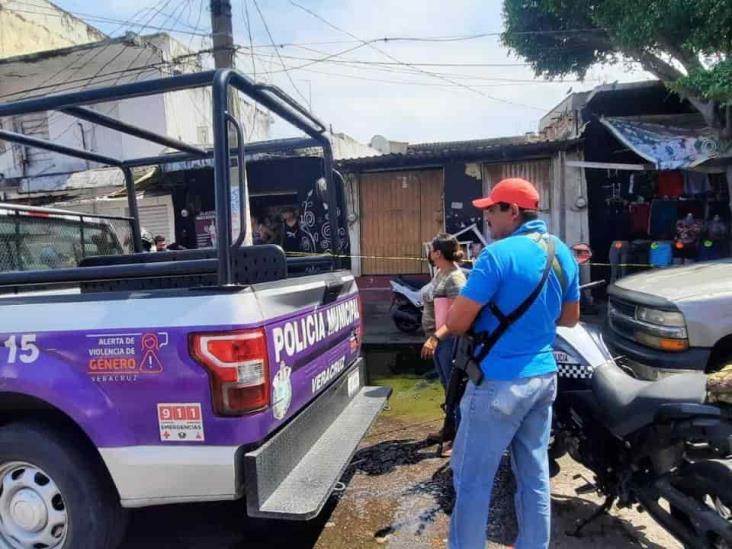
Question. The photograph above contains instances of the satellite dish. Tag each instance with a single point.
(380, 143)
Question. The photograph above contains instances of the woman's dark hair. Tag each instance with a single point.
(524, 215)
(448, 246)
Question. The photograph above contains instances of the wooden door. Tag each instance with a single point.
(399, 211)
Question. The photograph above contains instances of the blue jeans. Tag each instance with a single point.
(443, 359)
(443, 364)
(497, 415)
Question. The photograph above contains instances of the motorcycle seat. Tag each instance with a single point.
(411, 284)
(628, 404)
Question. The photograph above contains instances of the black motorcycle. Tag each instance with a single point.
(656, 444)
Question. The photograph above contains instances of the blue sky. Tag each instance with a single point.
(443, 90)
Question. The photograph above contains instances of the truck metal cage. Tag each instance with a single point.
(222, 83)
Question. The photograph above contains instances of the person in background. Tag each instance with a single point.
(148, 242)
(511, 408)
(261, 234)
(160, 243)
(445, 253)
(292, 236)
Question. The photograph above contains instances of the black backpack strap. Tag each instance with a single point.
(505, 321)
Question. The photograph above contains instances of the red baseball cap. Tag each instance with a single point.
(511, 191)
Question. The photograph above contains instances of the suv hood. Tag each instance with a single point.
(704, 280)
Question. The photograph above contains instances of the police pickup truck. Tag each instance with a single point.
(222, 373)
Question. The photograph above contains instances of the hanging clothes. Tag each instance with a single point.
(662, 219)
(639, 214)
(670, 184)
(696, 183)
(618, 255)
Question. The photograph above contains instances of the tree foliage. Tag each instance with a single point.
(685, 43)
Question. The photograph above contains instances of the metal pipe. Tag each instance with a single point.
(98, 95)
(29, 141)
(166, 159)
(278, 92)
(332, 198)
(134, 211)
(109, 122)
(278, 102)
(281, 145)
(81, 235)
(110, 272)
(257, 147)
(54, 211)
(221, 176)
(243, 194)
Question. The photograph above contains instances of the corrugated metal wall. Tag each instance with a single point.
(399, 211)
(539, 172)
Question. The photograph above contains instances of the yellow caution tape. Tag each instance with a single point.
(422, 259)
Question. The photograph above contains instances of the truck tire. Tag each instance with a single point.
(53, 493)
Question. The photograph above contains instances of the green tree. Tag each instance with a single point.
(685, 43)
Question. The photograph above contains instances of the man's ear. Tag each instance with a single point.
(515, 211)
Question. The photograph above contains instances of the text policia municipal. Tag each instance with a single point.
(297, 335)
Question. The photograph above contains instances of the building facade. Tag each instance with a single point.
(31, 26)
(183, 115)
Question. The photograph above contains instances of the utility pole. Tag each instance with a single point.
(222, 34)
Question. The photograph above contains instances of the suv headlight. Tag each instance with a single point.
(665, 330)
(662, 318)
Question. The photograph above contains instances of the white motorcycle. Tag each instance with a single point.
(406, 305)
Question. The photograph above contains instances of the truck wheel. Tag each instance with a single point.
(53, 494)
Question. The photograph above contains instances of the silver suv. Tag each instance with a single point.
(672, 320)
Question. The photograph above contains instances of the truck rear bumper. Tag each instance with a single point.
(292, 475)
(312, 449)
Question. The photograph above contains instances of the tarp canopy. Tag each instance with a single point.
(670, 142)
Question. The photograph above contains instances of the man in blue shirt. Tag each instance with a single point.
(511, 407)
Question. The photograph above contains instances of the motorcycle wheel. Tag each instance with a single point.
(405, 325)
(710, 483)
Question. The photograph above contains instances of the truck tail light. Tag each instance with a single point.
(236, 362)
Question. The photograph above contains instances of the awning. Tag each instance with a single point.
(99, 179)
(670, 142)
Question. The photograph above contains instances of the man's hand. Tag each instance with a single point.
(462, 314)
(428, 349)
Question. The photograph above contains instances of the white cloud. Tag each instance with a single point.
(358, 100)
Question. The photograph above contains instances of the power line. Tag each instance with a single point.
(450, 74)
(393, 64)
(436, 39)
(253, 107)
(103, 19)
(266, 27)
(245, 14)
(143, 48)
(500, 84)
(398, 61)
(198, 22)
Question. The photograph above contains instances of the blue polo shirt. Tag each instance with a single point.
(506, 272)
